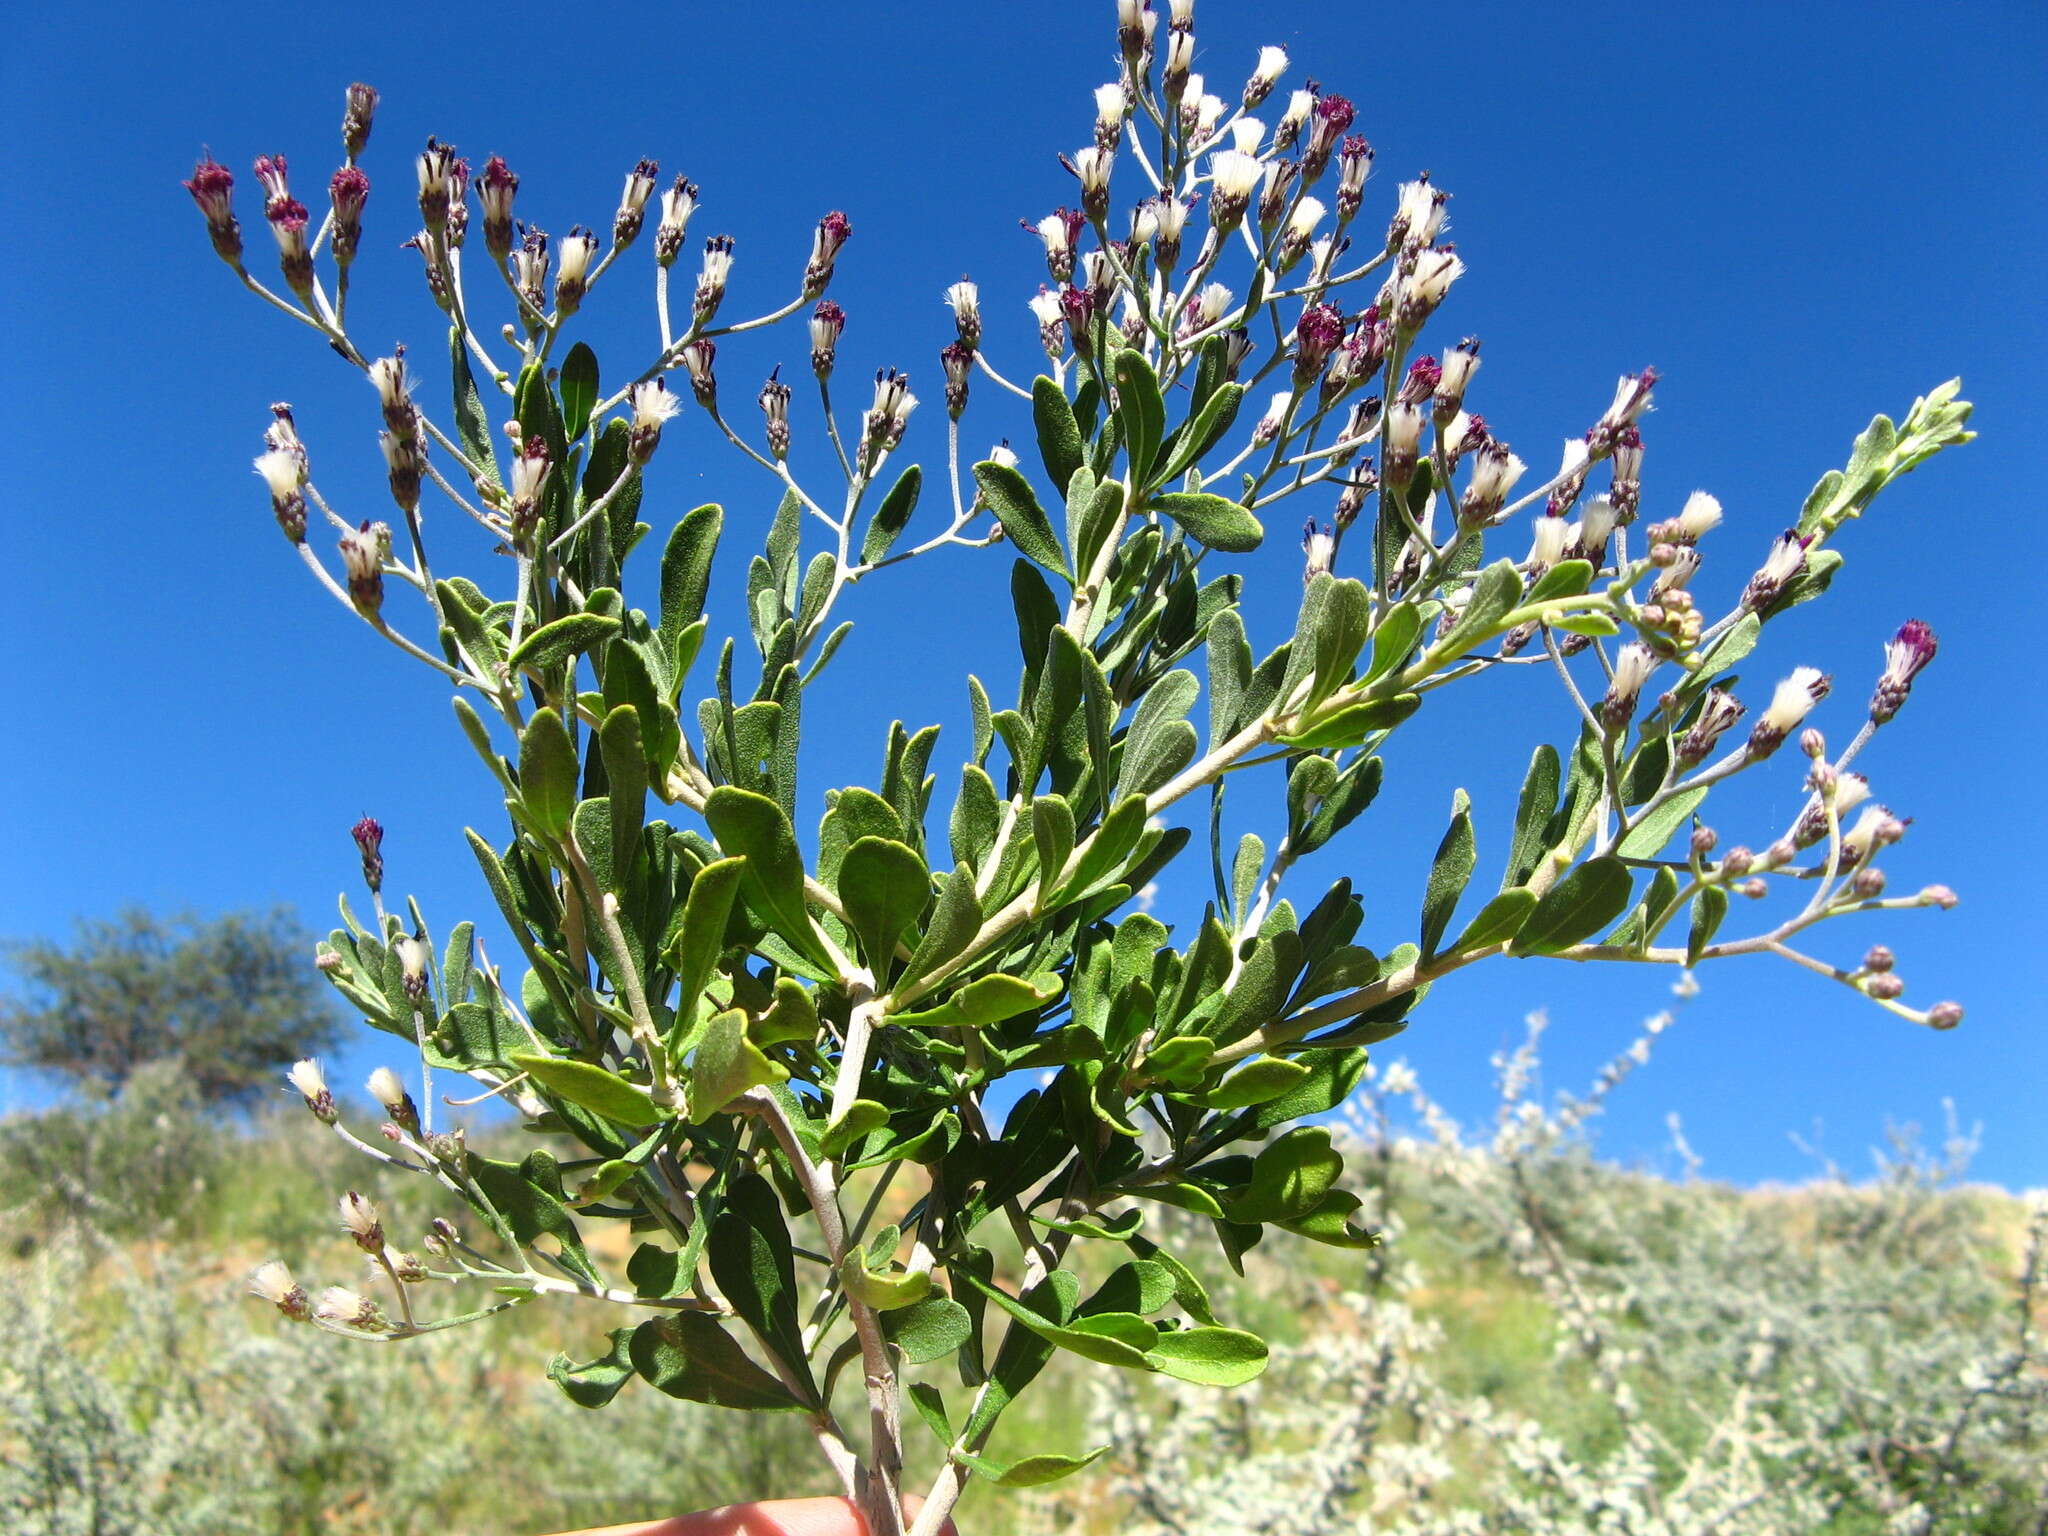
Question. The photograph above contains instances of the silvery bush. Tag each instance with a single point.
(749, 1043)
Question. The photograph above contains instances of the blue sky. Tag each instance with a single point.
(1800, 215)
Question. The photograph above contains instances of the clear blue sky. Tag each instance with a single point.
(1801, 214)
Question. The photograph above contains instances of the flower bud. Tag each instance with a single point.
(1755, 890)
(1077, 308)
(1321, 547)
(311, 1084)
(530, 267)
(677, 204)
(1494, 473)
(1266, 74)
(1052, 325)
(284, 474)
(653, 404)
(633, 199)
(572, 277)
(369, 838)
(347, 191)
(1424, 289)
(712, 278)
(1786, 560)
(274, 1283)
(359, 112)
(830, 237)
(1945, 1015)
(1328, 124)
(1938, 896)
(698, 358)
(1418, 215)
(529, 482)
(212, 187)
(1791, 702)
(1233, 176)
(1878, 959)
(1868, 884)
(386, 1088)
(436, 167)
(827, 321)
(957, 359)
(1633, 665)
(774, 403)
(362, 559)
(1906, 655)
(495, 189)
(339, 1304)
(1703, 841)
(1057, 231)
(1884, 988)
(882, 424)
(1737, 862)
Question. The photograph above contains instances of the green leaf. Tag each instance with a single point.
(1494, 595)
(579, 389)
(1354, 724)
(726, 1065)
(755, 1269)
(1393, 639)
(986, 1000)
(1538, 803)
(1498, 921)
(583, 1082)
(686, 569)
(472, 422)
(755, 826)
(1209, 1357)
(1708, 908)
(1261, 1079)
(1597, 625)
(1208, 424)
(1108, 1338)
(928, 1330)
(1290, 1177)
(1583, 902)
(884, 887)
(1052, 833)
(1215, 521)
(862, 1119)
(1646, 839)
(956, 918)
(1567, 578)
(700, 938)
(882, 1290)
(533, 406)
(625, 771)
(1448, 875)
(1031, 1471)
(1015, 505)
(688, 1355)
(1140, 412)
(547, 773)
(595, 1383)
(528, 1195)
(571, 635)
(1060, 445)
(892, 516)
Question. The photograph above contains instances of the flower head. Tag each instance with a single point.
(274, 1283)
(1906, 655)
(632, 212)
(1266, 74)
(652, 404)
(827, 321)
(310, 1083)
(1791, 702)
(358, 113)
(832, 233)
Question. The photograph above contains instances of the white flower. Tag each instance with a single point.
(1701, 515)
(274, 1283)
(652, 403)
(965, 298)
(1399, 1078)
(1275, 418)
(1418, 214)
(1547, 544)
(1109, 104)
(1434, 273)
(280, 471)
(1213, 303)
(1208, 113)
(573, 256)
(1045, 304)
(1004, 455)
(1246, 134)
(308, 1079)
(339, 1304)
(1236, 175)
(1301, 224)
(1633, 666)
(1299, 105)
(1271, 66)
(394, 390)
(360, 1220)
(1793, 701)
(1595, 524)
(386, 1089)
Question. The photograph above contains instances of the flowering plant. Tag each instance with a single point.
(740, 1043)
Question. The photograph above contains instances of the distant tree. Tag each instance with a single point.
(235, 999)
